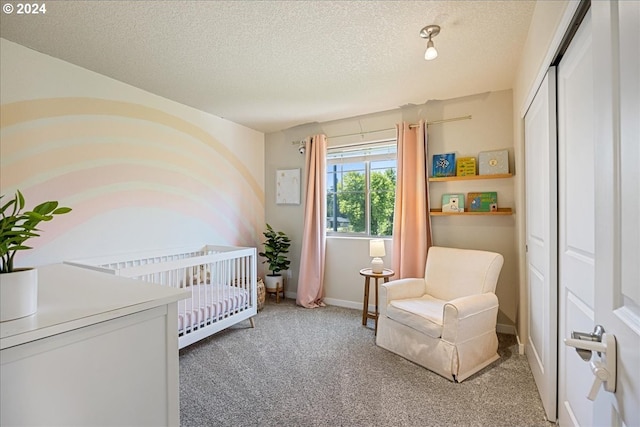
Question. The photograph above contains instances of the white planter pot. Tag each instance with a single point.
(273, 282)
(18, 294)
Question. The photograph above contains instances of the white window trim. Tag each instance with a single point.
(333, 154)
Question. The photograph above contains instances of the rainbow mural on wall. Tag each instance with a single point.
(103, 157)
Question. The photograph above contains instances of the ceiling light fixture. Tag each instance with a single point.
(426, 33)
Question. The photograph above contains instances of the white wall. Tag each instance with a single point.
(139, 171)
(489, 129)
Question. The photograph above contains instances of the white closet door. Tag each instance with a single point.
(541, 231)
(599, 210)
(617, 237)
(576, 227)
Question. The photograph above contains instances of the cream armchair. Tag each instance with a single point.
(445, 321)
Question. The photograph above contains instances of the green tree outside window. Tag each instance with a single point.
(351, 197)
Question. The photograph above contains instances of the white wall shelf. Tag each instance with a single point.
(501, 211)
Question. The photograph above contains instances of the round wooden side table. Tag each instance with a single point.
(368, 274)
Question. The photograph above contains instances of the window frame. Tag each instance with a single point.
(350, 156)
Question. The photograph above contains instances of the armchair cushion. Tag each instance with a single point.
(423, 314)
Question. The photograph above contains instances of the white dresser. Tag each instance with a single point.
(101, 350)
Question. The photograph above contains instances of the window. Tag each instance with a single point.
(361, 187)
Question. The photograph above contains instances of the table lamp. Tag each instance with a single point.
(376, 250)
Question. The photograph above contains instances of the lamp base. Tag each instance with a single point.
(377, 265)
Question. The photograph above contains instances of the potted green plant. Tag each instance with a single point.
(276, 245)
(19, 286)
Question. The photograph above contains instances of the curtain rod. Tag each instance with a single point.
(413, 125)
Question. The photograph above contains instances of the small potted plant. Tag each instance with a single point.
(276, 245)
(19, 286)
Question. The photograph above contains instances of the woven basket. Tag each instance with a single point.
(261, 294)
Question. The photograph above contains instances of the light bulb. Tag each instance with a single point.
(431, 52)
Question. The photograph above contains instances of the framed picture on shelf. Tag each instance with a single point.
(444, 165)
(483, 202)
(453, 203)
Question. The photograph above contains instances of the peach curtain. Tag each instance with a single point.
(411, 221)
(311, 280)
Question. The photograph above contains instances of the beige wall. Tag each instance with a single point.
(489, 129)
(139, 171)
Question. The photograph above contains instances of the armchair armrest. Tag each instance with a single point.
(468, 317)
(400, 289)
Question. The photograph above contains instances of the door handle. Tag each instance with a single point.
(604, 369)
(595, 336)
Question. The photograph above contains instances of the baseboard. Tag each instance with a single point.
(502, 328)
(511, 330)
(520, 345)
(344, 303)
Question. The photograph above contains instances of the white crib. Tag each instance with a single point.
(222, 280)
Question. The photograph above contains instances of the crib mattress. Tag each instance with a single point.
(209, 303)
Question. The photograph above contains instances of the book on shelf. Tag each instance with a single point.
(444, 165)
(453, 203)
(493, 162)
(483, 201)
(466, 166)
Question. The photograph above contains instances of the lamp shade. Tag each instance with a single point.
(376, 248)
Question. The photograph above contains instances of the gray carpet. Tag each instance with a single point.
(321, 367)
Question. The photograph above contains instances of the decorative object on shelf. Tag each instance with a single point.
(288, 187)
(376, 251)
(19, 286)
(453, 203)
(276, 245)
(483, 202)
(466, 166)
(444, 165)
(493, 162)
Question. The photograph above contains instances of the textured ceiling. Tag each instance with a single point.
(271, 65)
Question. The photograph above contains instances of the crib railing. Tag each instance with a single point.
(223, 281)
